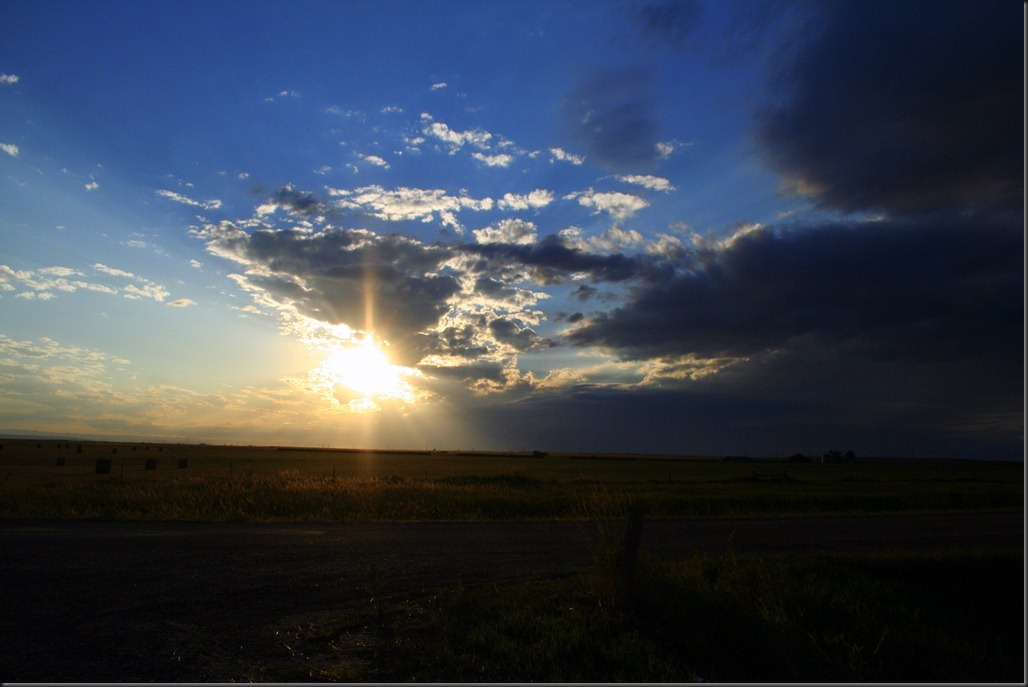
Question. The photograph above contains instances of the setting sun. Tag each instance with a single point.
(365, 370)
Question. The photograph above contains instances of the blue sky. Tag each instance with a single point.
(676, 227)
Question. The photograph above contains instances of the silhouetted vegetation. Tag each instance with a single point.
(259, 484)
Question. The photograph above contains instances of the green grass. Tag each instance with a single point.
(267, 484)
(943, 617)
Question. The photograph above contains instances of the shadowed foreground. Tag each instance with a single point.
(86, 601)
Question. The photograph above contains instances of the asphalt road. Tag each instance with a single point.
(98, 602)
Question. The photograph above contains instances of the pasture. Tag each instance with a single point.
(189, 482)
(920, 616)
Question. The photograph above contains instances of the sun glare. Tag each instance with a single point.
(365, 371)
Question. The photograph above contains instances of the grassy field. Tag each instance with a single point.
(953, 616)
(51, 479)
(943, 617)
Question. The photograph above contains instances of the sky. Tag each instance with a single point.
(747, 228)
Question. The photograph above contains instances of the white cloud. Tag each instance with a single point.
(512, 231)
(243, 175)
(665, 148)
(666, 246)
(45, 282)
(647, 181)
(388, 109)
(617, 240)
(563, 155)
(438, 86)
(336, 110)
(113, 271)
(409, 203)
(147, 290)
(92, 186)
(500, 160)
(9, 78)
(182, 303)
(282, 94)
(195, 263)
(185, 200)
(618, 205)
(10, 149)
(374, 160)
(456, 139)
(535, 199)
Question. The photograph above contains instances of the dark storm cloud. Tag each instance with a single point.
(612, 115)
(891, 329)
(550, 262)
(903, 107)
(923, 289)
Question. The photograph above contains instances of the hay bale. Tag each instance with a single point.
(151, 463)
(183, 462)
(103, 466)
(60, 461)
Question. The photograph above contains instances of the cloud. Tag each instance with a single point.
(612, 115)
(926, 115)
(10, 149)
(455, 139)
(438, 86)
(179, 198)
(510, 231)
(8, 79)
(92, 186)
(648, 181)
(113, 271)
(373, 160)
(550, 261)
(391, 284)
(923, 285)
(424, 205)
(564, 156)
(196, 264)
(499, 160)
(146, 290)
(182, 303)
(534, 200)
(293, 201)
(618, 205)
(282, 94)
(875, 321)
(46, 283)
(665, 149)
